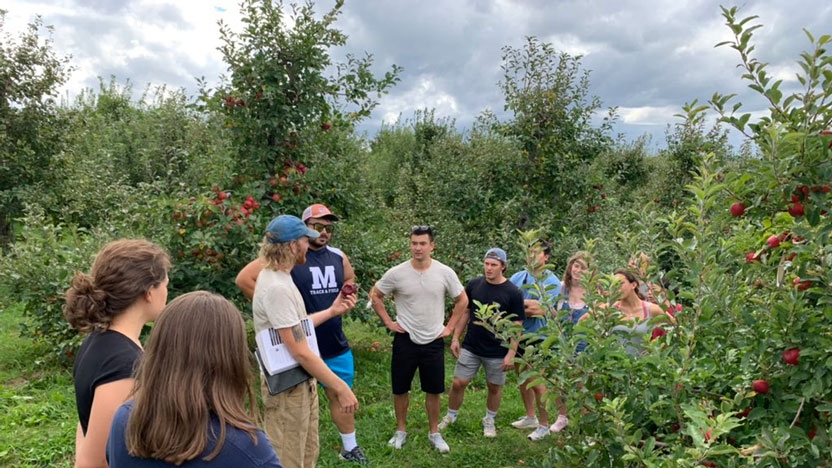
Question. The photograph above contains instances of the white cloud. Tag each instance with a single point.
(423, 95)
(647, 115)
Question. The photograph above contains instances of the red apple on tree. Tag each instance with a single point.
(658, 332)
(738, 209)
(791, 356)
(796, 210)
(744, 413)
(760, 386)
(752, 257)
(802, 285)
(773, 241)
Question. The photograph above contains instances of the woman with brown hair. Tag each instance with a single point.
(571, 310)
(126, 288)
(192, 386)
(634, 308)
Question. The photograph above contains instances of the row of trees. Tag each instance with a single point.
(203, 178)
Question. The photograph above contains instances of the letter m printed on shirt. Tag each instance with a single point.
(323, 279)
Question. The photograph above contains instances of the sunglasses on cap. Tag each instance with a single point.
(318, 227)
(423, 229)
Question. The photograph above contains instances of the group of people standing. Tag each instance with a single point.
(187, 400)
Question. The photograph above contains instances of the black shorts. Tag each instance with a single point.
(408, 356)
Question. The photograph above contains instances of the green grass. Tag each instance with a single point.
(38, 418)
(37, 402)
(376, 422)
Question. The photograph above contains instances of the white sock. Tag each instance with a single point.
(348, 440)
(452, 414)
(490, 414)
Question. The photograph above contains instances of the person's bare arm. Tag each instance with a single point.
(340, 306)
(349, 272)
(508, 361)
(461, 323)
(247, 277)
(377, 299)
(533, 308)
(655, 310)
(295, 340)
(90, 449)
(460, 307)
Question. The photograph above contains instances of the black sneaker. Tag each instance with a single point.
(355, 455)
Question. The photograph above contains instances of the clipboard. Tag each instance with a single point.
(282, 381)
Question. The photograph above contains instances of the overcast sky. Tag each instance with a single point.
(647, 58)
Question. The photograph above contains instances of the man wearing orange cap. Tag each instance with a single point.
(320, 280)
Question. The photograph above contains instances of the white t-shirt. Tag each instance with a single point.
(420, 297)
(277, 303)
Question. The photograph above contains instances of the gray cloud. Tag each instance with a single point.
(648, 58)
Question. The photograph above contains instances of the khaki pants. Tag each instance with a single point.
(291, 422)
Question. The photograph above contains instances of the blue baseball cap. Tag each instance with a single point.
(286, 228)
(497, 254)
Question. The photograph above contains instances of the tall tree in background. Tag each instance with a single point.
(548, 94)
(30, 131)
(279, 85)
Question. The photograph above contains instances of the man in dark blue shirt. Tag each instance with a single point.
(481, 347)
(319, 281)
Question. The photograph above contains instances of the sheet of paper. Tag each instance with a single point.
(275, 354)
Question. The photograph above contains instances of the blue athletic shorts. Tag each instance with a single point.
(343, 366)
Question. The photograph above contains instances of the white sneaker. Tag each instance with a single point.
(488, 428)
(439, 443)
(559, 424)
(540, 433)
(526, 422)
(445, 422)
(398, 439)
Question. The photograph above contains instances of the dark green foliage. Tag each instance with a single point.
(278, 87)
(30, 131)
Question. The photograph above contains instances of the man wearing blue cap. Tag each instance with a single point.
(319, 280)
(481, 347)
(291, 420)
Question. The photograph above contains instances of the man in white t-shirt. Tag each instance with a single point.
(419, 287)
(291, 420)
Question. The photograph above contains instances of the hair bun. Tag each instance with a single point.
(86, 306)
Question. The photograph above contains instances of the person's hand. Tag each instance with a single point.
(508, 361)
(394, 327)
(455, 348)
(532, 307)
(445, 332)
(343, 304)
(347, 400)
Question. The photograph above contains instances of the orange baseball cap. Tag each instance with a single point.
(317, 211)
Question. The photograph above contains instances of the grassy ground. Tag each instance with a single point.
(37, 403)
(376, 422)
(38, 417)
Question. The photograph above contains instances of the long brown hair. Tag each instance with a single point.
(567, 275)
(196, 364)
(121, 273)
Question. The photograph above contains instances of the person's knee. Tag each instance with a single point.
(459, 384)
(494, 388)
